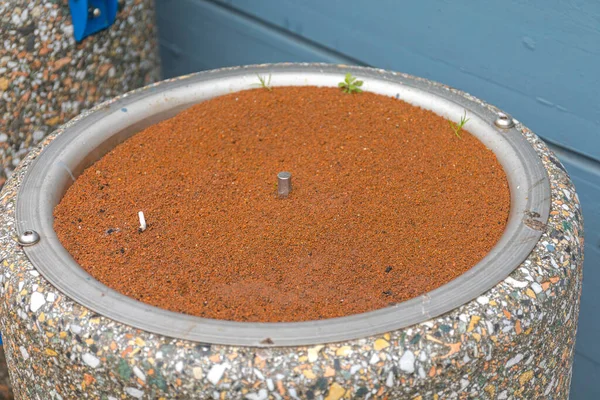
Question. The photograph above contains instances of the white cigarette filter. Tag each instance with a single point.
(143, 225)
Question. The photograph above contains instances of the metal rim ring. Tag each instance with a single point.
(93, 135)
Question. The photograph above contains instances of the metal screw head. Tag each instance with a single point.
(29, 238)
(504, 121)
(95, 12)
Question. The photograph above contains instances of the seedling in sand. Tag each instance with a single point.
(458, 127)
(264, 82)
(350, 84)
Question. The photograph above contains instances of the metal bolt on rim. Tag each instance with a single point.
(504, 121)
(90, 137)
(28, 238)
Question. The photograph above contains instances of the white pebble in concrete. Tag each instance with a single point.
(389, 382)
(24, 353)
(179, 366)
(76, 329)
(138, 372)
(133, 392)
(215, 373)
(90, 360)
(270, 384)
(37, 301)
(536, 287)
(513, 361)
(259, 374)
(261, 395)
(515, 283)
(407, 362)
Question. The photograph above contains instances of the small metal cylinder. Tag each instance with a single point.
(284, 184)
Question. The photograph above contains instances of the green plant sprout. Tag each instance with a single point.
(458, 127)
(350, 84)
(264, 82)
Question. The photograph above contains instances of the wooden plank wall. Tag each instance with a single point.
(537, 59)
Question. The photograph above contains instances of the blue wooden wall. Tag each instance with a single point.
(537, 59)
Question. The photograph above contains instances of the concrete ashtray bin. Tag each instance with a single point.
(505, 329)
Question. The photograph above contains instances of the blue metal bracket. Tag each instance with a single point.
(91, 16)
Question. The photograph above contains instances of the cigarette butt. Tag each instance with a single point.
(143, 225)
